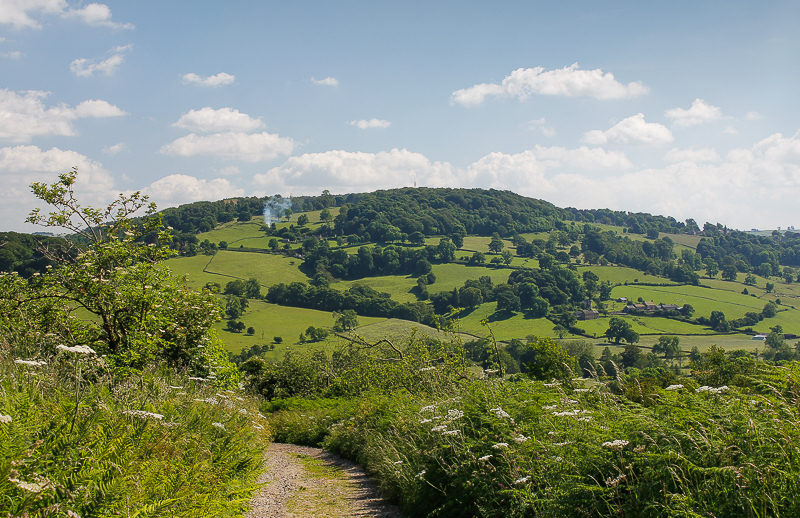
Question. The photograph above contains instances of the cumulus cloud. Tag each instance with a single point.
(114, 148)
(85, 67)
(633, 130)
(27, 13)
(753, 116)
(692, 155)
(23, 115)
(570, 81)
(175, 189)
(221, 79)
(253, 147)
(541, 126)
(22, 165)
(328, 81)
(370, 123)
(700, 112)
(98, 15)
(207, 120)
(348, 171)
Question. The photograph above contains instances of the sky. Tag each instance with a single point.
(684, 109)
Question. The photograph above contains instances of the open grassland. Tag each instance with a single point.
(644, 325)
(728, 342)
(481, 244)
(683, 240)
(192, 269)
(270, 320)
(516, 326)
(448, 276)
(622, 275)
(233, 231)
(704, 300)
(398, 330)
(268, 269)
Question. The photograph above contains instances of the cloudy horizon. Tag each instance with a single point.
(684, 110)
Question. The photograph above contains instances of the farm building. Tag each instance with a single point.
(587, 314)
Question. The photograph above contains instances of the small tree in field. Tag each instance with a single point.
(141, 313)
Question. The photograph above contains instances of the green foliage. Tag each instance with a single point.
(139, 313)
(620, 329)
(154, 445)
(524, 448)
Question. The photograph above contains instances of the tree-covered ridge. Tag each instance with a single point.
(23, 253)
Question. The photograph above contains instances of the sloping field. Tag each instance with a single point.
(270, 320)
(516, 326)
(226, 266)
(704, 300)
(396, 329)
(623, 274)
(645, 325)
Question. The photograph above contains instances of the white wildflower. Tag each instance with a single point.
(451, 432)
(195, 378)
(426, 369)
(522, 480)
(243, 411)
(484, 458)
(32, 487)
(556, 384)
(176, 387)
(519, 439)
(491, 371)
(570, 413)
(500, 445)
(397, 462)
(674, 387)
(219, 425)
(257, 426)
(30, 363)
(421, 474)
(79, 349)
(455, 414)
(5, 418)
(439, 428)
(568, 401)
(614, 482)
(617, 444)
(585, 419)
(499, 412)
(429, 408)
(550, 407)
(562, 443)
(581, 390)
(143, 413)
(72, 514)
(423, 421)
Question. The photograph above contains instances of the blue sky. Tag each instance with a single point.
(686, 109)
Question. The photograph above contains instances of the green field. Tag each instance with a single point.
(622, 275)
(396, 329)
(644, 325)
(516, 326)
(226, 266)
(448, 276)
(270, 320)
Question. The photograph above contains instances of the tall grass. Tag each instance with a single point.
(608, 448)
(75, 443)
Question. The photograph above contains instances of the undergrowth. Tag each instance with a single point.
(74, 442)
(527, 448)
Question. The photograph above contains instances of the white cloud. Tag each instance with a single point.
(541, 126)
(84, 67)
(692, 155)
(221, 79)
(328, 81)
(569, 81)
(633, 130)
(114, 149)
(370, 123)
(207, 120)
(22, 13)
(348, 171)
(229, 170)
(98, 15)
(730, 130)
(11, 54)
(753, 116)
(700, 112)
(23, 115)
(254, 147)
(181, 188)
(22, 165)
(27, 13)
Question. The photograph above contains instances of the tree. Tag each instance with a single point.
(141, 313)
(446, 250)
(302, 220)
(252, 289)
(496, 244)
(619, 329)
(325, 216)
(750, 279)
(669, 346)
(416, 238)
(712, 268)
(507, 257)
(345, 320)
(729, 273)
(770, 287)
(718, 322)
(631, 356)
(770, 310)
(507, 300)
(470, 297)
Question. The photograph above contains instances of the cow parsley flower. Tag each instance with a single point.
(519, 439)
(455, 414)
(421, 474)
(5, 418)
(500, 445)
(429, 408)
(439, 428)
(484, 458)
(451, 432)
(616, 444)
(143, 414)
(30, 363)
(218, 425)
(522, 480)
(78, 349)
(674, 387)
(499, 412)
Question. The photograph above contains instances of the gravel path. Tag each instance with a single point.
(301, 482)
